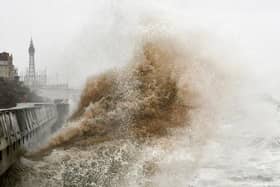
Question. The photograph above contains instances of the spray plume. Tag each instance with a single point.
(160, 89)
(128, 118)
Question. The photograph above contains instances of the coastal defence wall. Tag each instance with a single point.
(25, 127)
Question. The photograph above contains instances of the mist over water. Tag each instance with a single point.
(176, 112)
(133, 117)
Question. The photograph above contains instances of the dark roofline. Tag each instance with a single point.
(5, 56)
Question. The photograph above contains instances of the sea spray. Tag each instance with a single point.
(161, 103)
(155, 92)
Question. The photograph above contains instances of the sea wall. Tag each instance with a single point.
(26, 126)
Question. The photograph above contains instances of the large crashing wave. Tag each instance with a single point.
(126, 115)
(152, 94)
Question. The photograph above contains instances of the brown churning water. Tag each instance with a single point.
(152, 94)
(129, 118)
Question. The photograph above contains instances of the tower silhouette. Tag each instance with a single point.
(31, 69)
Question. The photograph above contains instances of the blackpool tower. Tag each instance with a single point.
(31, 69)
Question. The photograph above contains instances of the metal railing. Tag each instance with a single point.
(19, 124)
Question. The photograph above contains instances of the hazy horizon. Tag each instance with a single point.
(69, 36)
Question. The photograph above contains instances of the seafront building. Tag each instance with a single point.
(7, 68)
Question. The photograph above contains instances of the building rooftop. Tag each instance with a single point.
(4, 56)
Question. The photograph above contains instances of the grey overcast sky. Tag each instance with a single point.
(51, 24)
(73, 38)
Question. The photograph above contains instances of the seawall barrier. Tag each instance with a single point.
(26, 126)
